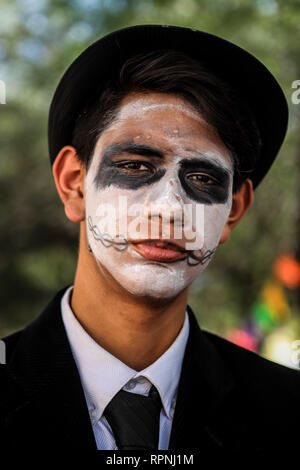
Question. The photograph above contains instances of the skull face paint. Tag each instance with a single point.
(161, 155)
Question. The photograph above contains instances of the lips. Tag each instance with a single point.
(159, 250)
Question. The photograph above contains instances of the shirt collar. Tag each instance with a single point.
(103, 375)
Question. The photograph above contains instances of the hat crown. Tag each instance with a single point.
(242, 70)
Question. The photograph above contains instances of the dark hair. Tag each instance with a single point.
(170, 71)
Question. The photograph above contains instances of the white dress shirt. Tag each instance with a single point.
(103, 375)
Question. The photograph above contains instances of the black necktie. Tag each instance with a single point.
(134, 419)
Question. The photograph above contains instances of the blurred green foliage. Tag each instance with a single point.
(38, 40)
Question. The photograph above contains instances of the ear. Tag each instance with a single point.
(241, 201)
(68, 172)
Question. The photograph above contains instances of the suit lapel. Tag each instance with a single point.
(204, 386)
(49, 402)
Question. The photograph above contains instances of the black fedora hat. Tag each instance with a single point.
(241, 69)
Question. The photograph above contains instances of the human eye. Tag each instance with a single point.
(201, 179)
(134, 167)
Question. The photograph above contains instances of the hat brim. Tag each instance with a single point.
(238, 67)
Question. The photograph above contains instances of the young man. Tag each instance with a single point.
(158, 136)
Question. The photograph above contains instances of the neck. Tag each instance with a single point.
(135, 330)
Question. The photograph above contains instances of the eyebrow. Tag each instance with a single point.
(197, 162)
(206, 164)
(133, 149)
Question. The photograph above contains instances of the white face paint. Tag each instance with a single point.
(162, 184)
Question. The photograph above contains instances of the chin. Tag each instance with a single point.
(152, 294)
(150, 281)
(153, 289)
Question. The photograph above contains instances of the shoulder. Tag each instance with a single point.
(9, 387)
(38, 330)
(264, 402)
(32, 347)
(254, 371)
(11, 342)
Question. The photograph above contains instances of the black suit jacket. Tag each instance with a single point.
(228, 398)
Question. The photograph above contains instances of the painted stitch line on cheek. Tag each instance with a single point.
(120, 244)
(215, 192)
(195, 260)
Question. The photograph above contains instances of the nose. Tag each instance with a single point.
(166, 198)
(164, 209)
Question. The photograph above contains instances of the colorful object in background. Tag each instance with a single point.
(263, 317)
(271, 310)
(281, 346)
(274, 298)
(243, 338)
(287, 270)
